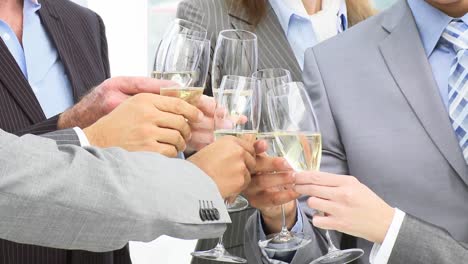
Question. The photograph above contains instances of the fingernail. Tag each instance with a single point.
(286, 164)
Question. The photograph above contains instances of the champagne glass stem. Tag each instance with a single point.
(220, 245)
(331, 246)
(284, 228)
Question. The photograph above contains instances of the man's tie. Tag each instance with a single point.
(456, 37)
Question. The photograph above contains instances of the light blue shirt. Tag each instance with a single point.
(39, 61)
(431, 23)
(299, 30)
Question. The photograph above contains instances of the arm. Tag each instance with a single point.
(103, 198)
(434, 245)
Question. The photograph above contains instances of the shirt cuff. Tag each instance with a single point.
(283, 257)
(380, 253)
(84, 142)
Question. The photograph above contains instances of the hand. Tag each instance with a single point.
(146, 122)
(229, 161)
(349, 206)
(105, 98)
(202, 132)
(271, 187)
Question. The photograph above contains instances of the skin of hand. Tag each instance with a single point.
(271, 187)
(349, 206)
(146, 122)
(229, 161)
(106, 97)
(202, 132)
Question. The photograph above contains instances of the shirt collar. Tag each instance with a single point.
(285, 11)
(31, 5)
(431, 23)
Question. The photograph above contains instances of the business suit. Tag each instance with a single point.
(274, 51)
(79, 37)
(99, 199)
(383, 121)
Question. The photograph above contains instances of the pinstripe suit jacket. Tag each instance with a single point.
(274, 52)
(79, 37)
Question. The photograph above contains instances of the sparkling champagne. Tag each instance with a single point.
(189, 94)
(303, 151)
(247, 135)
(183, 78)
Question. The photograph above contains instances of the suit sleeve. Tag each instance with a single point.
(101, 198)
(43, 127)
(433, 244)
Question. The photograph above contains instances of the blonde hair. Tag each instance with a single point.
(358, 10)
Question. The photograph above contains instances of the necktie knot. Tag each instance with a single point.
(455, 35)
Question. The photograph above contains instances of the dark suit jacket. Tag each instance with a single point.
(79, 37)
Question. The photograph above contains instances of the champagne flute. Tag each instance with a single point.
(187, 62)
(178, 26)
(284, 240)
(237, 114)
(236, 53)
(297, 138)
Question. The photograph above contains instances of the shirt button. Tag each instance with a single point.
(6, 37)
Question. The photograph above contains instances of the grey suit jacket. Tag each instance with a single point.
(68, 197)
(382, 120)
(274, 52)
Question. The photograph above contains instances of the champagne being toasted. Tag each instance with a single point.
(303, 151)
(189, 94)
(247, 135)
(183, 78)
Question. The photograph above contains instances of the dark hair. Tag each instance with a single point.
(358, 10)
(255, 9)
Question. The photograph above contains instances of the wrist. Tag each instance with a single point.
(272, 217)
(383, 228)
(92, 136)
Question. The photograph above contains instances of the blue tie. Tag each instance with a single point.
(455, 36)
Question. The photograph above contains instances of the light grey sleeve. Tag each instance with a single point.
(419, 242)
(97, 200)
(63, 137)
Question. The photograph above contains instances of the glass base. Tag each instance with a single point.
(340, 256)
(238, 205)
(285, 241)
(219, 254)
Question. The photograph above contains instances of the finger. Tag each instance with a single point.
(270, 199)
(271, 164)
(322, 205)
(272, 180)
(260, 146)
(201, 137)
(323, 192)
(206, 123)
(246, 143)
(136, 85)
(207, 105)
(324, 222)
(168, 150)
(172, 121)
(171, 137)
(321, 178)
(179, 107)
(247, 179)
(250, 162)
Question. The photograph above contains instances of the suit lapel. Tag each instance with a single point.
(14, 81)
(274, 49)
(405, 57)
(64, 41)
